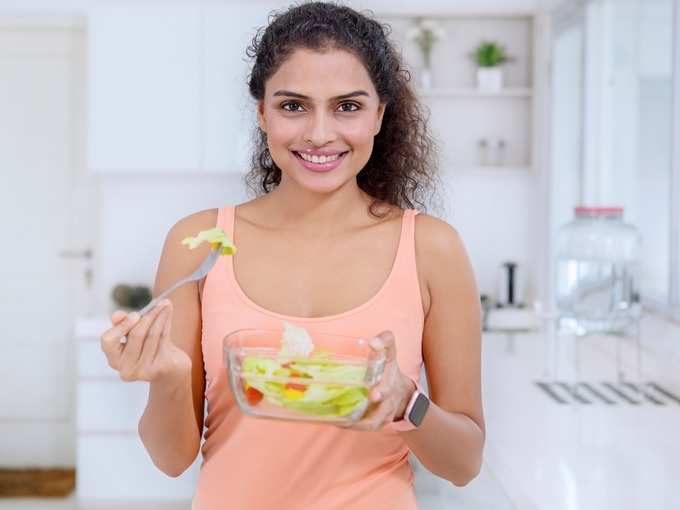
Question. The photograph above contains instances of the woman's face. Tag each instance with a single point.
(321, 107)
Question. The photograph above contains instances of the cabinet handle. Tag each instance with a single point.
(75, 254)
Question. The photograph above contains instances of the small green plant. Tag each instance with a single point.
(131, 296)
(490, 54)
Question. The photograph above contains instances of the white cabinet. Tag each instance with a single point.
(144, 88)
(228, 110)
(168, 87)
(112, 463)
(116, 468)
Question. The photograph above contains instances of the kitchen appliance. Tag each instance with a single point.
(511, 286)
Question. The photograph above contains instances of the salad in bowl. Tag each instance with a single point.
(288, 375)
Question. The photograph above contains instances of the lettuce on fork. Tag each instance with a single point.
(217, 239)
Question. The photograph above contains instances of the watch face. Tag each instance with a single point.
(419, 408)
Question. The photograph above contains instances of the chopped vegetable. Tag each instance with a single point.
(254, 396)
(217, 239)
(295, 341)
(335, 389)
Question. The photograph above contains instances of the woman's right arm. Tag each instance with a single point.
(164, 348)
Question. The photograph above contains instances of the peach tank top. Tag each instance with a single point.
(258, 464)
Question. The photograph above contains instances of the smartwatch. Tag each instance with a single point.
(415, 411)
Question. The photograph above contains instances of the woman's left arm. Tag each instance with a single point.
(450, 440)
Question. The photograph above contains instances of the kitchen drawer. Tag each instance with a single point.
(110, 405)
(117, 467)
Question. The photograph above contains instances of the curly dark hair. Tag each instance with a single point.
(403, 167)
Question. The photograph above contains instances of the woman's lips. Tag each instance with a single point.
(321, 167)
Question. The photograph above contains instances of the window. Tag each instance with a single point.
(612, 139)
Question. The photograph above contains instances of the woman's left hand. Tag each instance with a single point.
(389, 398)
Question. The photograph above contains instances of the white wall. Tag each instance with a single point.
(498, 219)
(136, 213)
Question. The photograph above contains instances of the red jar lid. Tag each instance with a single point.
(597, 211)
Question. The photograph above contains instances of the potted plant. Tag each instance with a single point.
(130, 297)
(489, 57)
(425, 33)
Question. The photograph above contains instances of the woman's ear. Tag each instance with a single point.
(381, 113)
(260, 116)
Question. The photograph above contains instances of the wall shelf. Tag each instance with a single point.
(460, 114)
(489, 170)
(475, 93)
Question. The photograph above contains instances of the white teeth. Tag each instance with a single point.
(318, 159)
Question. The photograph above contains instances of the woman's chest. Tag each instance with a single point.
(317, 278)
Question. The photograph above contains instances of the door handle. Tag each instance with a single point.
(75, 254)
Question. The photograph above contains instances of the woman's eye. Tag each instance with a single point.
(294, 105)
(297, 107)
(344, 110)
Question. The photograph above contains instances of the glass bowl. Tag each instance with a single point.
(330, 385)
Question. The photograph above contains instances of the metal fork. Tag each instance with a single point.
(202, 270)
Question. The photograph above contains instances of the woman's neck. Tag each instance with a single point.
(316, 213)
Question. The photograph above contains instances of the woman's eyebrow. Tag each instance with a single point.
(301, 96)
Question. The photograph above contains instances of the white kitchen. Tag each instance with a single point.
(557, 124)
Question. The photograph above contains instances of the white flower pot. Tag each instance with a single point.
(490, 79)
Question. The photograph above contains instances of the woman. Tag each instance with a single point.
(331, 244)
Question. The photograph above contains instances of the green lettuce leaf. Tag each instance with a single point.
(319, 398)
(217, 239)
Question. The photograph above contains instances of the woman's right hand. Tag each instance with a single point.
(149, 353)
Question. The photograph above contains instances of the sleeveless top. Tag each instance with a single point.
(259, 464)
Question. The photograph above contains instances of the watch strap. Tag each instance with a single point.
(404, 424)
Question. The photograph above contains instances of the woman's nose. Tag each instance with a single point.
(319, 130)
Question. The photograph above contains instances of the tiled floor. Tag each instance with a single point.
(589, 455)
(545, 455)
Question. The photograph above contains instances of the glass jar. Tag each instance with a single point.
(597, 270)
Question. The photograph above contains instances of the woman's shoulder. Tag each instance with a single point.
(196, 221)
(437, 242)
(434, 232)
(176, 258)
(190, 226)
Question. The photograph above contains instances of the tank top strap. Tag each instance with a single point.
(225, 220)
(406, 254)
(405, 280)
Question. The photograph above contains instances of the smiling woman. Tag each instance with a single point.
(341, 73)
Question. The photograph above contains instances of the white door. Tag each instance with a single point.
(47, 224)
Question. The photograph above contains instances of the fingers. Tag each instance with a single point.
(154, 336)
(118, 316)
(377, 412)
(381, 396)
(165, 333)
(375, 418)
(385, 342)
(110, 339)
(136, 339)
